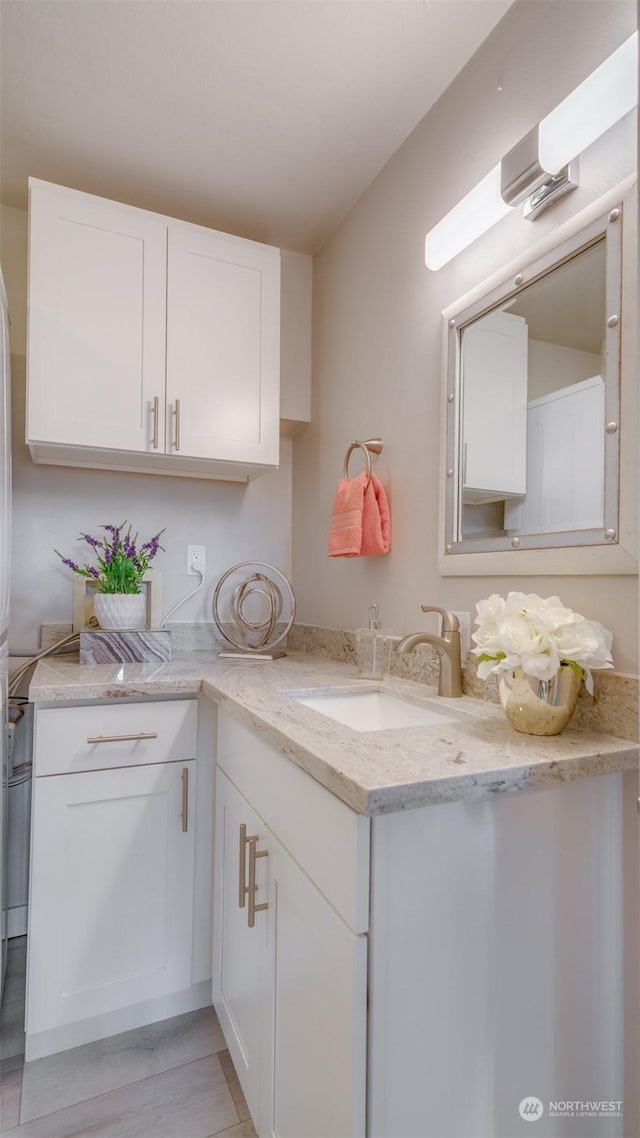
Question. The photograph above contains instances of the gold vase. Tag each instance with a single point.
(539, 707)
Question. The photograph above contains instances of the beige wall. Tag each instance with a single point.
(51, 505)
(377, 322)
(550, 367)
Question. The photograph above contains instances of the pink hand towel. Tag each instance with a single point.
(361, 523)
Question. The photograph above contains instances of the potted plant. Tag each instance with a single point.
(540, 652)
(117, 577)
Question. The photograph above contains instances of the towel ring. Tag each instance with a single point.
(368, 447)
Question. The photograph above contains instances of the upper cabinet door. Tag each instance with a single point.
(97, 312)
(223, 347)
(494, 370)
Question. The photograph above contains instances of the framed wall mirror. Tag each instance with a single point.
(534, 381)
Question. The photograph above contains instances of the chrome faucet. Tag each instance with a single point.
(448, 648)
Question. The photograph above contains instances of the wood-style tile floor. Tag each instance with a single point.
(172, 1079)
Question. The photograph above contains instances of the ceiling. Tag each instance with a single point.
(267, 118)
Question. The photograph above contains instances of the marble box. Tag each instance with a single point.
(125, 646)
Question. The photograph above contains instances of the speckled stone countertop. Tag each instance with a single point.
(374, 772)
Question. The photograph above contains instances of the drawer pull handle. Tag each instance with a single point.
(185, 799)
(254, 854)
(122, 738)
(156, 412)
(177, 415)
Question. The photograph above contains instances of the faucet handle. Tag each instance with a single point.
(450, 622)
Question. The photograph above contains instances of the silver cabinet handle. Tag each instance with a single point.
(185, 799)
(242, 867)
(254, 854)
(177, 415)
(249, 890)
(155, 412)
(123, 738)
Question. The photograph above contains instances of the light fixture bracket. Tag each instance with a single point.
(523, 179)
(520, 170)
(555, 187)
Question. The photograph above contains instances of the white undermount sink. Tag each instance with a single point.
(372, 710)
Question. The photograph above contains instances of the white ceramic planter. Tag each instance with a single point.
(120, 610)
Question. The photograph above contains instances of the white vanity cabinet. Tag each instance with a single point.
(289, 980)
(438, 964)
(153, 344)
(113, 929)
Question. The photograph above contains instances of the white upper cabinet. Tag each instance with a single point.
(153, 345)
(223, 346)
(97, 314)
(494, 365)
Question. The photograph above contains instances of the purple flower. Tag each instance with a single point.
(152, 546)
(120, 565)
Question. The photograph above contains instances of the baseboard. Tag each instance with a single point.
(69, 1035)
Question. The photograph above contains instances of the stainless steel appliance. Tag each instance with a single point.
(5, 567)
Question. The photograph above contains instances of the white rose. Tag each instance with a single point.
(588, 644)
(537, 634)
(490, 614)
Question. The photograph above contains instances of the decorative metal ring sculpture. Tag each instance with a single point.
(259, 634)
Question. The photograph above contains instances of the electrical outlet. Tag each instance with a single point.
(195, 560)
(465, 634)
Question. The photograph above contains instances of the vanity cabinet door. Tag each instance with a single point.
(291, 991)
(97, 316)
(223, 346)
(111, 902)
(239, 952)
(315, 1061)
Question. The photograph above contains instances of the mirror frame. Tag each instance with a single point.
(612, 548)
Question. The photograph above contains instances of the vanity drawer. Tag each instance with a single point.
(328, 840)
(68, 739)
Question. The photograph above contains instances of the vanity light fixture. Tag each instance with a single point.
(541, 168)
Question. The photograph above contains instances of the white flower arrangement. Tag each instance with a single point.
(538, 635)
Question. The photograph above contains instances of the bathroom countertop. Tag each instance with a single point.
(373, 772)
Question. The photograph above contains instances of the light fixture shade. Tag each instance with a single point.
(470, 218)
(608, 94)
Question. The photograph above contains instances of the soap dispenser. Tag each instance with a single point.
(373, 647)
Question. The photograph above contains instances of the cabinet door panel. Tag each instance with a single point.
(565, 462)
(111, 891)
(239, 951)
(494, 362)
(318, 1038)
(97, 312)
(223, 346)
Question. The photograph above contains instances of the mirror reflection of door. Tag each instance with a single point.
(533, 424)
